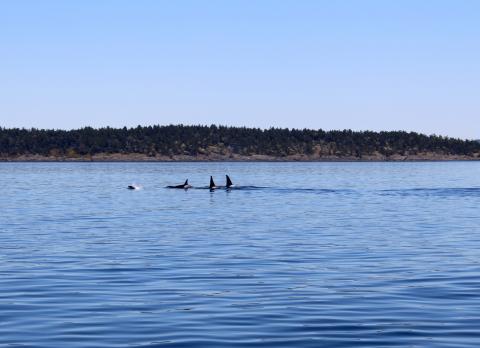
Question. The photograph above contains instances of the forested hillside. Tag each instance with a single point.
(202, 142)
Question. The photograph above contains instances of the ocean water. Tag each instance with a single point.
(298, 255)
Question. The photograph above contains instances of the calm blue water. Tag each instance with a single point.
(314, 255)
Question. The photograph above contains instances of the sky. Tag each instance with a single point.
(349, 64)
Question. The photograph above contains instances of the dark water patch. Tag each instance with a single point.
(435, 192)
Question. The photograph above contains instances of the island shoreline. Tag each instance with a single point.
(140, 158)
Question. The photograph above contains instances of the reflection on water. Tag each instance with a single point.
(299, 255)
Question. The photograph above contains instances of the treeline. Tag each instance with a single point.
(201, 140)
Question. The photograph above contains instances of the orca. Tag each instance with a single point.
(183, 186)
(212, 184)
(133, 187)
(229, 182)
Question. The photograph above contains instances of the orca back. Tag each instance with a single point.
(182, 186)
(212, 184)
(229, 182)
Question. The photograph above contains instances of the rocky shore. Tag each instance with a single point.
(136, 157)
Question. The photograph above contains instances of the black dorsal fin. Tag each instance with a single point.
(212, 184)
(186, 183)
(229, 182)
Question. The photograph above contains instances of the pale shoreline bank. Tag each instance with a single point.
(240, 158)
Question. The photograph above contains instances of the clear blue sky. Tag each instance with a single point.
(377, 65)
